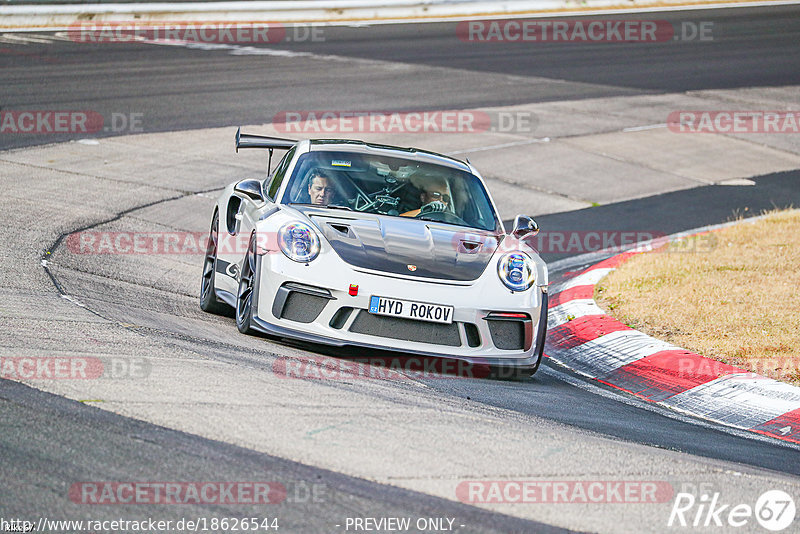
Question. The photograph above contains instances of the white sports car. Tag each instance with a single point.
(350, 243)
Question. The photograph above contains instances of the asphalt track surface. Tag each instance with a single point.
(44, 425)
(177, 89)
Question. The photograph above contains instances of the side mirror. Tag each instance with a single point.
(523, 226)
(250, 188)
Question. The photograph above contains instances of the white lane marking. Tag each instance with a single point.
(737, 182)
(239, 50)
(19, 39)
(60, 36)
(236, 50)
(257, 51)
(495, 147)
(648, 127)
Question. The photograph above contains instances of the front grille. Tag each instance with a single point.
(406, 329)
(302, 307)
(507, 335)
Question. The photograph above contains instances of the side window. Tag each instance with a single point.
(280, 172)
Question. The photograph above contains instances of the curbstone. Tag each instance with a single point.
(584, 338)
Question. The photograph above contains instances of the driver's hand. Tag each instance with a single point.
(431, 207)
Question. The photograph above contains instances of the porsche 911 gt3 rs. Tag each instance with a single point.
(348, 243)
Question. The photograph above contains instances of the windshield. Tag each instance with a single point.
(390, 186)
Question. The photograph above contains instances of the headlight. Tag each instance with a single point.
(517, 271)
(299, 242)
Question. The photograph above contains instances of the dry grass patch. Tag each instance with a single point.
(737, 301)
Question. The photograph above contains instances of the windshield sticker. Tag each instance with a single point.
(340, 163)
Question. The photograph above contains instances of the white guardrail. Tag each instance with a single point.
(319, 11)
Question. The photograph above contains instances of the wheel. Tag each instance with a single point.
(244, 296)
(208, 297)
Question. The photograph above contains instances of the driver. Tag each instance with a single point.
(434, 196)
(320, 188)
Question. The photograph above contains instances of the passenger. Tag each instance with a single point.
(434, 196)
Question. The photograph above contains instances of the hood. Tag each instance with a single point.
(408, 247)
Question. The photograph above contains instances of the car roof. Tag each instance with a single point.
(355, 145)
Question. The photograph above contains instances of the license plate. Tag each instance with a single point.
(421, 311)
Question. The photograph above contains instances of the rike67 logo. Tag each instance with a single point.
(774, 510)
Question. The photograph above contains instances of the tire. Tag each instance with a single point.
(208, 296)
(247, 290)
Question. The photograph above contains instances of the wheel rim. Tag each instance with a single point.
(210, 260)
(244, 301)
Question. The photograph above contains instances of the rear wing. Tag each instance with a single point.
(262, 141)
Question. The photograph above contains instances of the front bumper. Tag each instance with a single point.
(312, 303)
